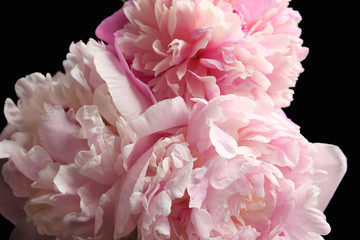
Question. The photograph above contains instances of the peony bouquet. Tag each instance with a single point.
(170, 127)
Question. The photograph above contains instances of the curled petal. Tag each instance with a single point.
(127, 98)
(161, 116)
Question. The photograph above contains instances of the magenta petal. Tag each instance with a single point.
(140, 85)
(332, 160)
(105, 31)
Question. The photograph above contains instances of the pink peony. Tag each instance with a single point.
(207, 48)
(67, 140)
(171, 131)
(233, 170)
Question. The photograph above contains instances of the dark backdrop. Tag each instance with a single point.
(35, 38)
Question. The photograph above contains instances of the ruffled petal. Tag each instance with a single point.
(124, 224)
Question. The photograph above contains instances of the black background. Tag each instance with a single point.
(36, 37)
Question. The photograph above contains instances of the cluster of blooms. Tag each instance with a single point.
(171, 129)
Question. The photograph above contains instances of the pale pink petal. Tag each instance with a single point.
(126, 97)
(92, 126)
(182, 173)
(104, 218)
(161, 116)
(57, 131)
(12, 113)
(46, 177)
(225, 145)
(123, 222)
(20, 185)
(306, 217)
(332, 160)
(162, 229)
(32, 162)
(202, 221)
(99, 168)
(7, 148)
(197, 187)
(11, 207)
(163, 204)
(90, 194)
(68, 180)
(7, 132)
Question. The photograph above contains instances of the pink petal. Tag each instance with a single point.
(20, 185)
(163, 204)
(31, 162)
(126, 97)
(164, 115)
(104, 219)
(162, 229)
(105, 31)
(90, 194)
(225, 145)
(100, 168)
(331, 159)
(139, 84)
(68, 180)
(198, 186)
(11, 207)
(123, 222)
(202, 222)
(57, 131)
(89, 118)
(141, 146)
(7, 132)
(12, 113)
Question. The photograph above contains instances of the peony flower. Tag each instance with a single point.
(204, 48)
(234, 169)
(257, 176)
(66, 139)
(171, 131)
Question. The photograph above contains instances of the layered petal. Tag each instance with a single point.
(205, 49)
(65, 145)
